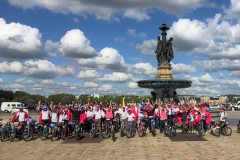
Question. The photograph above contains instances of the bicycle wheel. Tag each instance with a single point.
(153, 129)
(54, 134)
(2, 136)
(122, 131)
(216, 131)
(44, 133)
(63, 133)
(113, 133)
(128, 132)
(227, 131)
(238, 129)
(92, 133)
(105, 132)
(28, 134)
(12, 137)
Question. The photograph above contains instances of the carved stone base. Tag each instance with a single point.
(164, 72)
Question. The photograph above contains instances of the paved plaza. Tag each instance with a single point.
(151, 148)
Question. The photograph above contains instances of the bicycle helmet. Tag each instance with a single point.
(31, 120)
(52, 125)
(20, 108)
(82, 107)
(75, 107)
(113, 103)
(45, 107)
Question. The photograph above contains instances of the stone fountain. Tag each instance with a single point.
(164, 85)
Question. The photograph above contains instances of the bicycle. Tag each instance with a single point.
(238, 127)
(152, 127)
(45, 131)
(55, 131)
(17, 131)
(142, 129)
(63, 129)
(6, 131)
(200, 128)
(123, 128)
(93, 130)
(170, 130)
(28, 131)
(108, 130)
(1, 133)
(130, 129)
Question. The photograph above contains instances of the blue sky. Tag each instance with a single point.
(105, 47)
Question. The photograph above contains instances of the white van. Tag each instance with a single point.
(11, 107)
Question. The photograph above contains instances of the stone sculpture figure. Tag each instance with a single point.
(164, 51)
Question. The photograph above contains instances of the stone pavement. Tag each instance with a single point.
(150, 148)
(137, 148)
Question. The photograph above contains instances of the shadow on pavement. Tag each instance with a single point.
(85, 138)
(187, 137)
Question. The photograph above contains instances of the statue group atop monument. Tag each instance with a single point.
(164, 51)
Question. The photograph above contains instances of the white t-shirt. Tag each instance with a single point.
(120, 111)
(223, 115)
(54, 117)
(21, 116)
(62, 117)
(124, 115)
(45, 114)
(130, 117)
(90, 114)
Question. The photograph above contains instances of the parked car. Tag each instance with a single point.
(237, 106)
(12, 106)
(215, 107)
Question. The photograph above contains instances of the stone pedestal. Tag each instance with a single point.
(164, 72)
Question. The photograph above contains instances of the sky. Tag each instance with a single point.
(105, 47)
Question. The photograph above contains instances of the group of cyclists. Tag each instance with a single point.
(107, 119)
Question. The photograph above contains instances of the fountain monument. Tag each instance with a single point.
(164, 85)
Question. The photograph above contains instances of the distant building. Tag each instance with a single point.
(187, 99)
(214, 100)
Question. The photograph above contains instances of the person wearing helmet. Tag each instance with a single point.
(44, 116)
(208, 118)
(20, 115)
(130, 115)
(150, 112)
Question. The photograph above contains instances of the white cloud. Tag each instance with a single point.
(19, 41)
(118, 77)
(214, 38)
(11, 67)
(105, 87)
(106, 10)
(1, 80)
(139, 15)
(182, 68)
(221, 64)
(90, 85)
(147, 47)
(88, 74)
(108, 58)
(133, 33)
(143, 69)
(233, 11)
(133, 85)
(74, 44)
(76, 20)
(235, 74)
(45, 69)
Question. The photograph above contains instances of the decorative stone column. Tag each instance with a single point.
(164, 72)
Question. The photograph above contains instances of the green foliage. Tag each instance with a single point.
(63, 98)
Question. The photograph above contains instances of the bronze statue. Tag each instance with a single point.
(164, 51)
